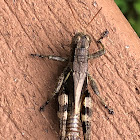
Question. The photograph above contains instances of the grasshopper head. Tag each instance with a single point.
(81, 40)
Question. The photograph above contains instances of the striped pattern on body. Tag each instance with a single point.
(62, 113)
(86, 112)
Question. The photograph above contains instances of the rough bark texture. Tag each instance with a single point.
(46, 27)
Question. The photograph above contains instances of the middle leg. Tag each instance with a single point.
(96, 91)
(61, 80)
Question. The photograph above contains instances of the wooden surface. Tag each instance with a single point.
(46, 27)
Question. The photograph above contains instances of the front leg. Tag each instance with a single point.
(56, 58)
(102, 50)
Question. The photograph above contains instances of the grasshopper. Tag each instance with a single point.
(75, 103)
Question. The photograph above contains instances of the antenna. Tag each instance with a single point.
(74, 15)
(94, 17)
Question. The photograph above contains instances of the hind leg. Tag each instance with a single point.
(86, 112)
(62, 113)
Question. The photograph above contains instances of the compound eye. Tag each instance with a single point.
(78, 39)
(88, 38)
